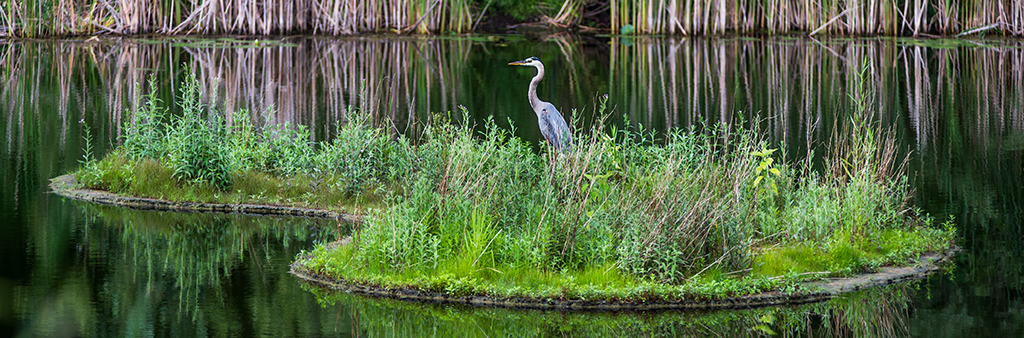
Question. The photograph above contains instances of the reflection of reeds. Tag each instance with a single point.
(312, 83)
(877, 312)
(395, 81)
(795, 87)
(880, 312)
(179, 261)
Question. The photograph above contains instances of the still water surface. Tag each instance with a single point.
(72, 269)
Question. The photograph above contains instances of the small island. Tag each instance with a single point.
(626, 219)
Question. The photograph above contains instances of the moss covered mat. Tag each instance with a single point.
(810, 292)
(807, 292)
(67, 186)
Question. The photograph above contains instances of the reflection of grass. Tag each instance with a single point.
(193, 255)
(878, 312)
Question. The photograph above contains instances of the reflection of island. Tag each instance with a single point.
(877, 312)
(150, 271)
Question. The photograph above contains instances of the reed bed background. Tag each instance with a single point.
(34, 18)
(856, 17)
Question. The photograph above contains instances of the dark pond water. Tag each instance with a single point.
(72, 269)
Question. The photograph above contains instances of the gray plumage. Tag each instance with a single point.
(552, 125)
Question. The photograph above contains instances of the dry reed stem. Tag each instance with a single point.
(337, 17)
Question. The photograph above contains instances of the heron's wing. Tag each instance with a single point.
(553, 127)
(547, 129)
(565, 134)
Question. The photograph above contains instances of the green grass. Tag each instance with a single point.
(599, 282)
(841, 257)
(196, 156)
(149, 177)
(627, 213)
(777, 268)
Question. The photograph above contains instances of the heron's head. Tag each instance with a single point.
(530, 61)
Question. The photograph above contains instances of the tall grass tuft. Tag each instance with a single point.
(197, 146)
(482, 206)
(624, 202)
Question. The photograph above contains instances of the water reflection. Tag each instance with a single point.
(308, 82)
(796, 87)
(879, 312)
(956, 106)
(136, 273)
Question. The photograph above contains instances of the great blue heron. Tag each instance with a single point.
(552, 125)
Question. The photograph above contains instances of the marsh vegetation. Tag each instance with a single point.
(627, 213)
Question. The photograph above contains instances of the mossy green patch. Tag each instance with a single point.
(843, 256)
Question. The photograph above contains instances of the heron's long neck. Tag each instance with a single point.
(534, 101)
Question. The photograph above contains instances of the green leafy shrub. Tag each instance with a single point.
(357, 156)
(195, 146)
(290, 149)
(144, 136)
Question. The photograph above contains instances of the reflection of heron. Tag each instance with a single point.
(552, 125)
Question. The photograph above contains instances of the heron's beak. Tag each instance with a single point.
(517, 63)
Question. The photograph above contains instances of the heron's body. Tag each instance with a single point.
(552, 125)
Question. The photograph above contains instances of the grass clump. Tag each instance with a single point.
(195, 155)
(627, 215)
(483, 207)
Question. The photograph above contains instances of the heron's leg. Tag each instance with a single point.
(552, 154)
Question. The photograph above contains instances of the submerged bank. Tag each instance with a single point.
(69, 187)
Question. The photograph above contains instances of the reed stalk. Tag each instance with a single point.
(36, 18)
(841, 17)
(209, 17)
